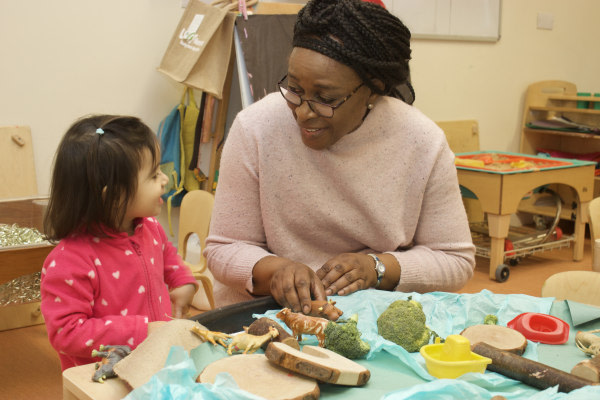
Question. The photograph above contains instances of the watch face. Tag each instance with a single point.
(380, 268)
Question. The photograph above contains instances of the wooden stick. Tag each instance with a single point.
(528, 371)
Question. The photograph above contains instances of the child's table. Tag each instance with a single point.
(502, 179)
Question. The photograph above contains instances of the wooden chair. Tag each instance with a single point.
(194, 217)
(462, 135)
(580, 286)
(594, 222)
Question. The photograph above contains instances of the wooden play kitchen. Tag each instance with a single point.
(501, 179)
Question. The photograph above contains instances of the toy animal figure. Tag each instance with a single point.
(300, 324)
(211, 336)
(588, 342)
(110, 356)
(250, 343)
(325, 309)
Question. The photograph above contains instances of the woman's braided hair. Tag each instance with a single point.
(362, 35)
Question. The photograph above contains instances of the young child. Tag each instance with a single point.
(113, 273)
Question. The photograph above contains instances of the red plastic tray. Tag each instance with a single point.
(541, 328)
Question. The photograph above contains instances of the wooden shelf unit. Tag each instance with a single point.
(546, 99)
(558, 98)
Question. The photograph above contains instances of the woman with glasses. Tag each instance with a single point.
(336, 184)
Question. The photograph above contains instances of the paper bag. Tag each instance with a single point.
(199, 52)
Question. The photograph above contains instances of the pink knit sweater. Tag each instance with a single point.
(389, 186)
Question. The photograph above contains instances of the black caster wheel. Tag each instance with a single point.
(502, 273)
(513, 261)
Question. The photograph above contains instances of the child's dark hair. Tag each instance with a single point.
(362, 35)
(95, 174)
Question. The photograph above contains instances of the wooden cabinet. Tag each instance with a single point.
(550, 103)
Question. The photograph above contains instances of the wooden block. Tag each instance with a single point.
(255, 374)
(16, 158)
(319, 363)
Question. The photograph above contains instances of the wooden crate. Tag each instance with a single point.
(22, 260)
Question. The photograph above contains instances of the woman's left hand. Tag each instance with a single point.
(181, 298)
(346, 273)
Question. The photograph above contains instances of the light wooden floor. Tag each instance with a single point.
(30, 368)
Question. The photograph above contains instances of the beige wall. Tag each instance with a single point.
(66, 58)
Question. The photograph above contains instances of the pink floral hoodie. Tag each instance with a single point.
(105, 290)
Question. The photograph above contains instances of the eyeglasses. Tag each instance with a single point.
(321, 109)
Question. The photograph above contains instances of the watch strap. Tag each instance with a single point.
(379, 269)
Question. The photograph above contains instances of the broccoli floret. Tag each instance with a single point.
(403, 323)
(343, 337)
(490, 319)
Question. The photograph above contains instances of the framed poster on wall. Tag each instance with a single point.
(449, 19)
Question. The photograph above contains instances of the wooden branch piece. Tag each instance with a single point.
(588, 369)
(500, 337)
(319, 363)
(528, 371)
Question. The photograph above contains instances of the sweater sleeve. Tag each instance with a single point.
(443, 255)
(67, 288)
(237, 239)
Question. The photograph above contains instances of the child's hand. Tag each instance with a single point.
(181, 297)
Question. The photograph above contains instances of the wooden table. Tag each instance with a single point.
(500, 193)
(78, 384)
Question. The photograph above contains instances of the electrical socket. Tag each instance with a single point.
(545, 21)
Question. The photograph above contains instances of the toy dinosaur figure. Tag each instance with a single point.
(250, 343)
(110, 356)
(211, 336)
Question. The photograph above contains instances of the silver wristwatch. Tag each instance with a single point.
(379, 268)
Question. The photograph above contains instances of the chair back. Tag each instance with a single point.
(594, 222)
(194, 217)
(580, 286)
(462, 135)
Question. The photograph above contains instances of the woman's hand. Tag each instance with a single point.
(181, 298)
(346, 273)
(293, 284)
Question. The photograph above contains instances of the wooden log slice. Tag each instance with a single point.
(319, 363)
(500, 337)
(255, 374)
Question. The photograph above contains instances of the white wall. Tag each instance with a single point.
(62, 59)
